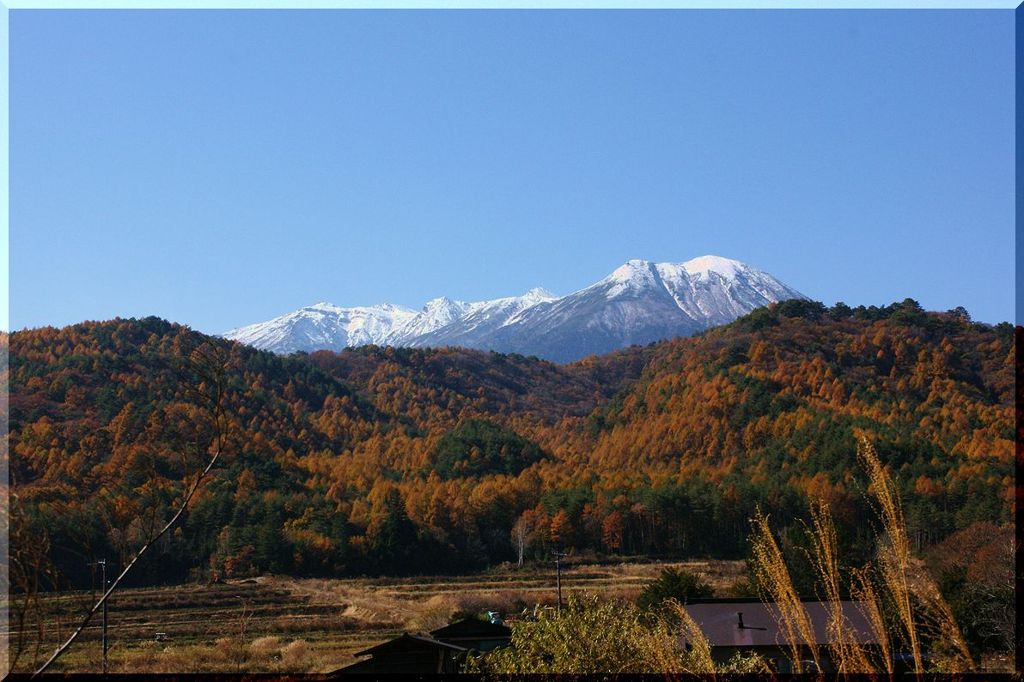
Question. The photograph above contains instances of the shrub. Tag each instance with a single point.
(295, 655)
(590, 635)
(230, 650)
(435, 612)
(265, 646)
(673, 583)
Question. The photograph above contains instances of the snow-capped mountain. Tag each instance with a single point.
(438, 312)
(639, 302)
(482, 320)
(324, 326)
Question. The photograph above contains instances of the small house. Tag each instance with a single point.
(441, 651)
(409, 654)
(472, 633)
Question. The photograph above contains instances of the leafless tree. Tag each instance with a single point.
(520, 537)
(995, 614)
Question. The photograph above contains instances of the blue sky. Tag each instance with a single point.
(219, 168)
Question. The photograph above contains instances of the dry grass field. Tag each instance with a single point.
(275, 623)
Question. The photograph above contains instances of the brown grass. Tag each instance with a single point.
(863, 590)
(937, 618)
(699, 648)
(894, 552)
(921, 612)
(433, 614)
(848, 654)
(264, 647)
(905, 578)
(775, 580)
(296, 655)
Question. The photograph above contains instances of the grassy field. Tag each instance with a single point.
(275, 623)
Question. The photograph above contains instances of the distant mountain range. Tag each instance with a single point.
(638, 303)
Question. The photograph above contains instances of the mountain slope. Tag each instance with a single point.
(663, 442)
(641, 302)
(718, 290)
(638, 303)
(477, 322)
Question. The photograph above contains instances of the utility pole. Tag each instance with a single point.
(102, 563)
(558, 577)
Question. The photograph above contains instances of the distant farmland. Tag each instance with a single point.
(276, 623)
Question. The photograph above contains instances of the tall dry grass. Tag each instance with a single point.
(264, 647)
(937, 620)
(433, 613)
(848, 653)
(296, 656)
(894, 549)
(920, 606)
(698, 660)
(862, 590)
(777, 584)
(895, 578)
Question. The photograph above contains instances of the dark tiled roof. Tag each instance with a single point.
(365, 666)
(720, 622)
(409, 642)
(472, 627)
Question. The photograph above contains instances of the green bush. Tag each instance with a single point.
(590, 635)
(673, 583)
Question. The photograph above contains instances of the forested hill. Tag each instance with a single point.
(383, 460)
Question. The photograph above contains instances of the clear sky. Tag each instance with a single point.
(221, 168)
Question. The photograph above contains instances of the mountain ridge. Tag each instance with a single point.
(639, 302)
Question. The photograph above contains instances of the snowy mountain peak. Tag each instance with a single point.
(436, 313)
(639, 302)
(442, 303)
(726, 267)
(322, 305)
(538, 294)
(632, 278)
(632, 271)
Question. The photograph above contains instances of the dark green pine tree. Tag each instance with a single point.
(391, 537)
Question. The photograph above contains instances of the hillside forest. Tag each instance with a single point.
(388, 461)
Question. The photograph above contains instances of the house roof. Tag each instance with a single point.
(367, 665)
(407, 642)
(472, 627)
(720, 622)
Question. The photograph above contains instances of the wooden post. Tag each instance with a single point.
(558, 577)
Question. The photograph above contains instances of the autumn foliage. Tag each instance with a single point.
(386, 460)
